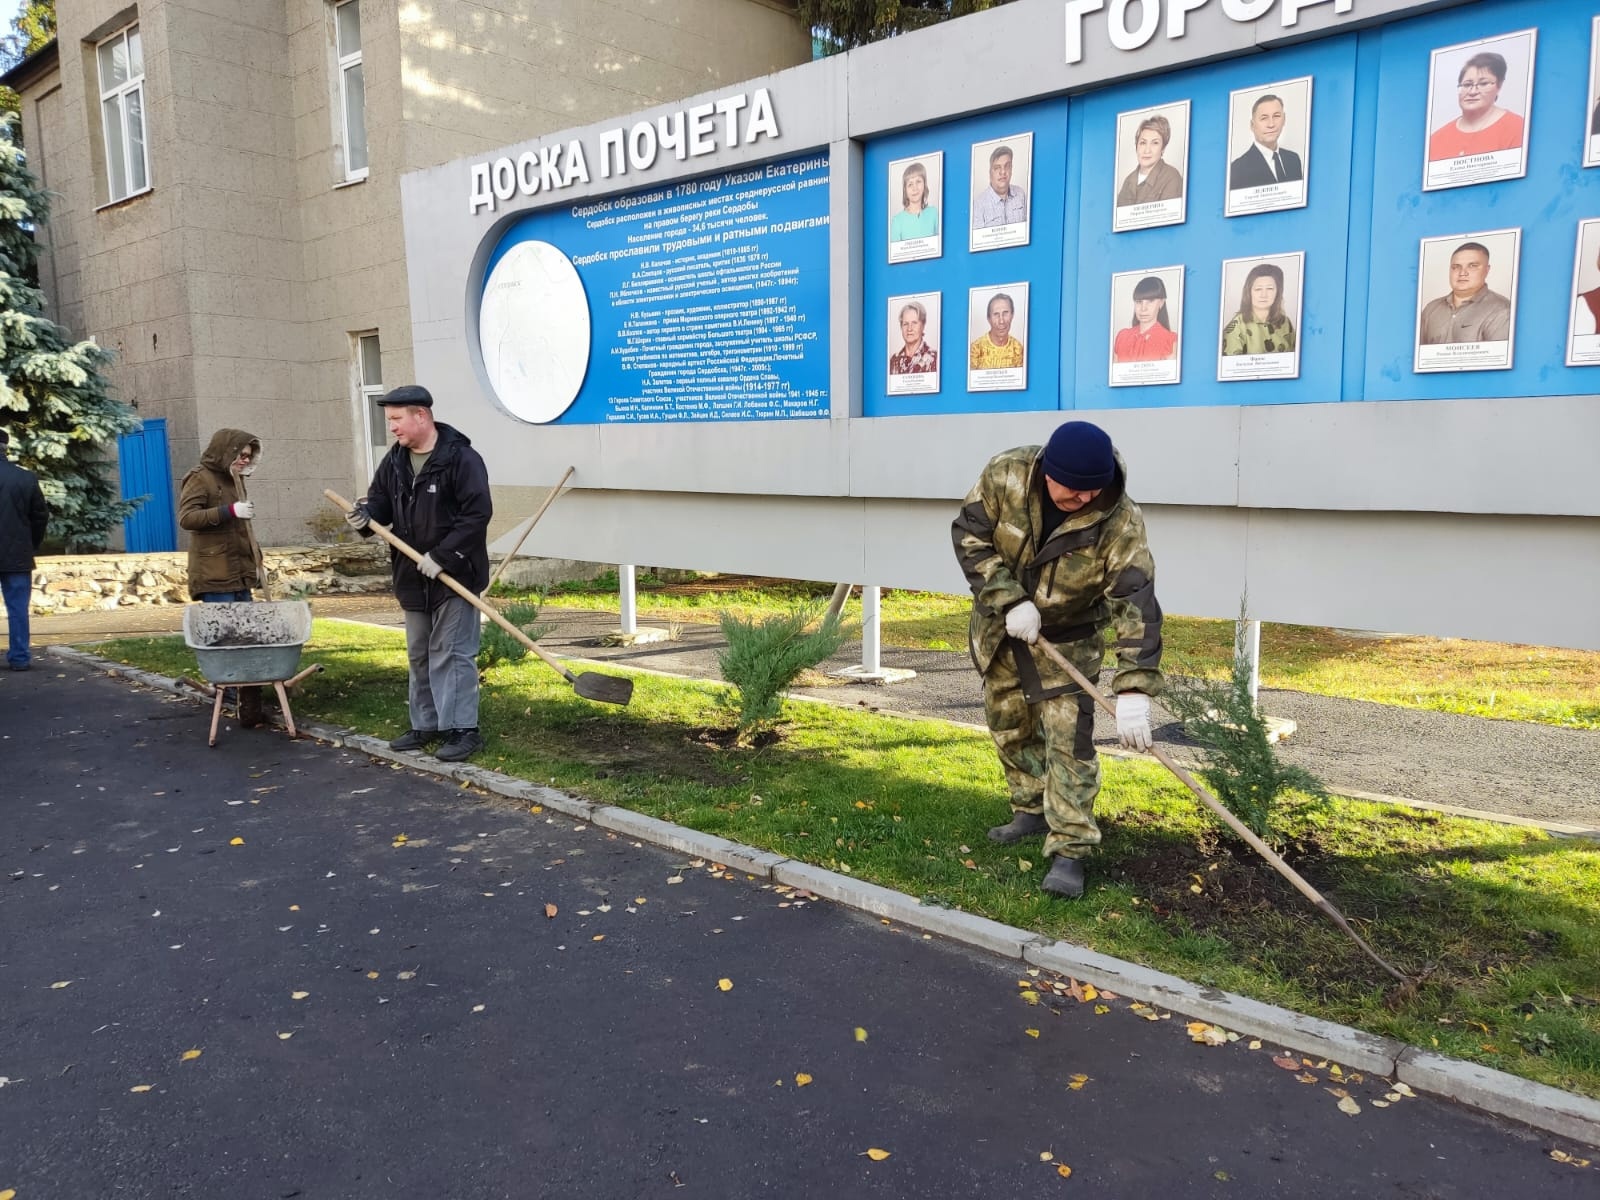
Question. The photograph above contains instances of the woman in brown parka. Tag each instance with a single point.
(224, 558)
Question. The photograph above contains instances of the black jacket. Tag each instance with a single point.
(1251, 170)
(444, 512)
(23, 517)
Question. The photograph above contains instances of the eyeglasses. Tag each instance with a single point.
(1477, 85)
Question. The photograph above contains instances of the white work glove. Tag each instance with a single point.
(1133, 721)
(357, 518)
(429, 567)
(1023, 621)
(243, 510)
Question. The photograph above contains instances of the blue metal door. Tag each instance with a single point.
(142, 463)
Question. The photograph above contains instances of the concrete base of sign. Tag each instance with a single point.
(883, 675)
(1278, 728)
(645, 634)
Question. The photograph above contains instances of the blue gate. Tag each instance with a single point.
(145, 471)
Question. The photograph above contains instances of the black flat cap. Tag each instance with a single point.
(408, 393)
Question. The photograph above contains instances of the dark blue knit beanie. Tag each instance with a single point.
(1079, 456)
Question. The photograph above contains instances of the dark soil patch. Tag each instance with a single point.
(728, 738)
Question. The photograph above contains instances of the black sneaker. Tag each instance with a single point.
(462, 744)
(414, 739)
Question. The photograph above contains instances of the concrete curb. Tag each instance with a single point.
(1497, 1093)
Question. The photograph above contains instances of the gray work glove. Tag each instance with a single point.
(243, 510)
(357, 518)
(1023, 621)
(1133, 721)
(429, 567)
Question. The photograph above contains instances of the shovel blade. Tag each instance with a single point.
(608, 689)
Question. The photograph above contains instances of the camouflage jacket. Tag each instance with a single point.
(1094, 570)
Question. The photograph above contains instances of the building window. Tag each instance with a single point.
(121, 59)
(352, 87)
(369, 386)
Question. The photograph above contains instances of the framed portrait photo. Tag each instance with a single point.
(1269, 147)
(1479, 97)
(916, 202)
(1583, 331)
(1146, 327)
(1002, 181)
(1261, 301)
(1467, 301)
(1152, 167)
(997, 332)
(1591, 113)
(913, 339)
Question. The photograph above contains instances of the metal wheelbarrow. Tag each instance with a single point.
(250, 644)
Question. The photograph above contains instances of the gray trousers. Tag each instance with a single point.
(442, 646)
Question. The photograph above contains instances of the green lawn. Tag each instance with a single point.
(1505, 920)
(1483, 679)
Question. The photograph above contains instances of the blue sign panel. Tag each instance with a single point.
(704, 300)
(1407, 212)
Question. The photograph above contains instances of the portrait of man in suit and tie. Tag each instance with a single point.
(1268, 146)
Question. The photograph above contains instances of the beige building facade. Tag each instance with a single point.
(226, 188)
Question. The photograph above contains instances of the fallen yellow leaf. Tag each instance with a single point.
(877, 1155)
(1063, 1170)
(1031, 996)
(141, 1087)
(1076, 1082)
(284, 1037)
(372, 974)
(1024, 865)
(536, 808)
(189, 1055)
(9, 1194)
(861, 1034)
(1033, 1033)
(1378, 1103)
(294, 908)
(1089, 992)
(1404, 1090)
(1045, 1156)
(477, 1008)
(1306, 1077)
(1255, 1043)
(236, 842)
(550, 911)
(599, 937)
(801, 1079)
(725, 985)
(1101, 1010)
(298, 995)
(1561, 1156)
(62, 984)
(1347, 1104)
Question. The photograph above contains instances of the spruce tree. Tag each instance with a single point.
(54, 398)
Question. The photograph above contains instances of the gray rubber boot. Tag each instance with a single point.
(1065, 878)
(1022, 825)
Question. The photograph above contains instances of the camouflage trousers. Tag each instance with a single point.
(1047, 745)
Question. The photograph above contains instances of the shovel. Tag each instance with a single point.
(1232, 822)
(608, 689)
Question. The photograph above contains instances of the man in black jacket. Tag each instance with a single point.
(432, 490)
(23, 517)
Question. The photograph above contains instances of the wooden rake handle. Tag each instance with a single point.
(1222, 814)
(506, 561)
(486, 609)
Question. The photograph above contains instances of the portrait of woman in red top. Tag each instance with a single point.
(1483, 126)
(1149, 338)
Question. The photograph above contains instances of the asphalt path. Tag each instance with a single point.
(279, 969)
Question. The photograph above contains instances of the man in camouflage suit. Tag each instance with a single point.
(1053, 547)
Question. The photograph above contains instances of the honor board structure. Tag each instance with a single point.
(734, 407)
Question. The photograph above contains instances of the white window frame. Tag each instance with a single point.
(121, 92)
(342, 65)
(367, 392)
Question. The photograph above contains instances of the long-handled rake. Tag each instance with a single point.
(1232, 822)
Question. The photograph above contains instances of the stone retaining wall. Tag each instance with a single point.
(85, 583)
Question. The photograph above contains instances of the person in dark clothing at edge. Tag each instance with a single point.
(224, 559)
(23, 517)
(1055, 549)
(432, 490)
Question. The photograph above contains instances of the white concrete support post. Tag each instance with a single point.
(870, 640)
(628, 597)
(1247, 649)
